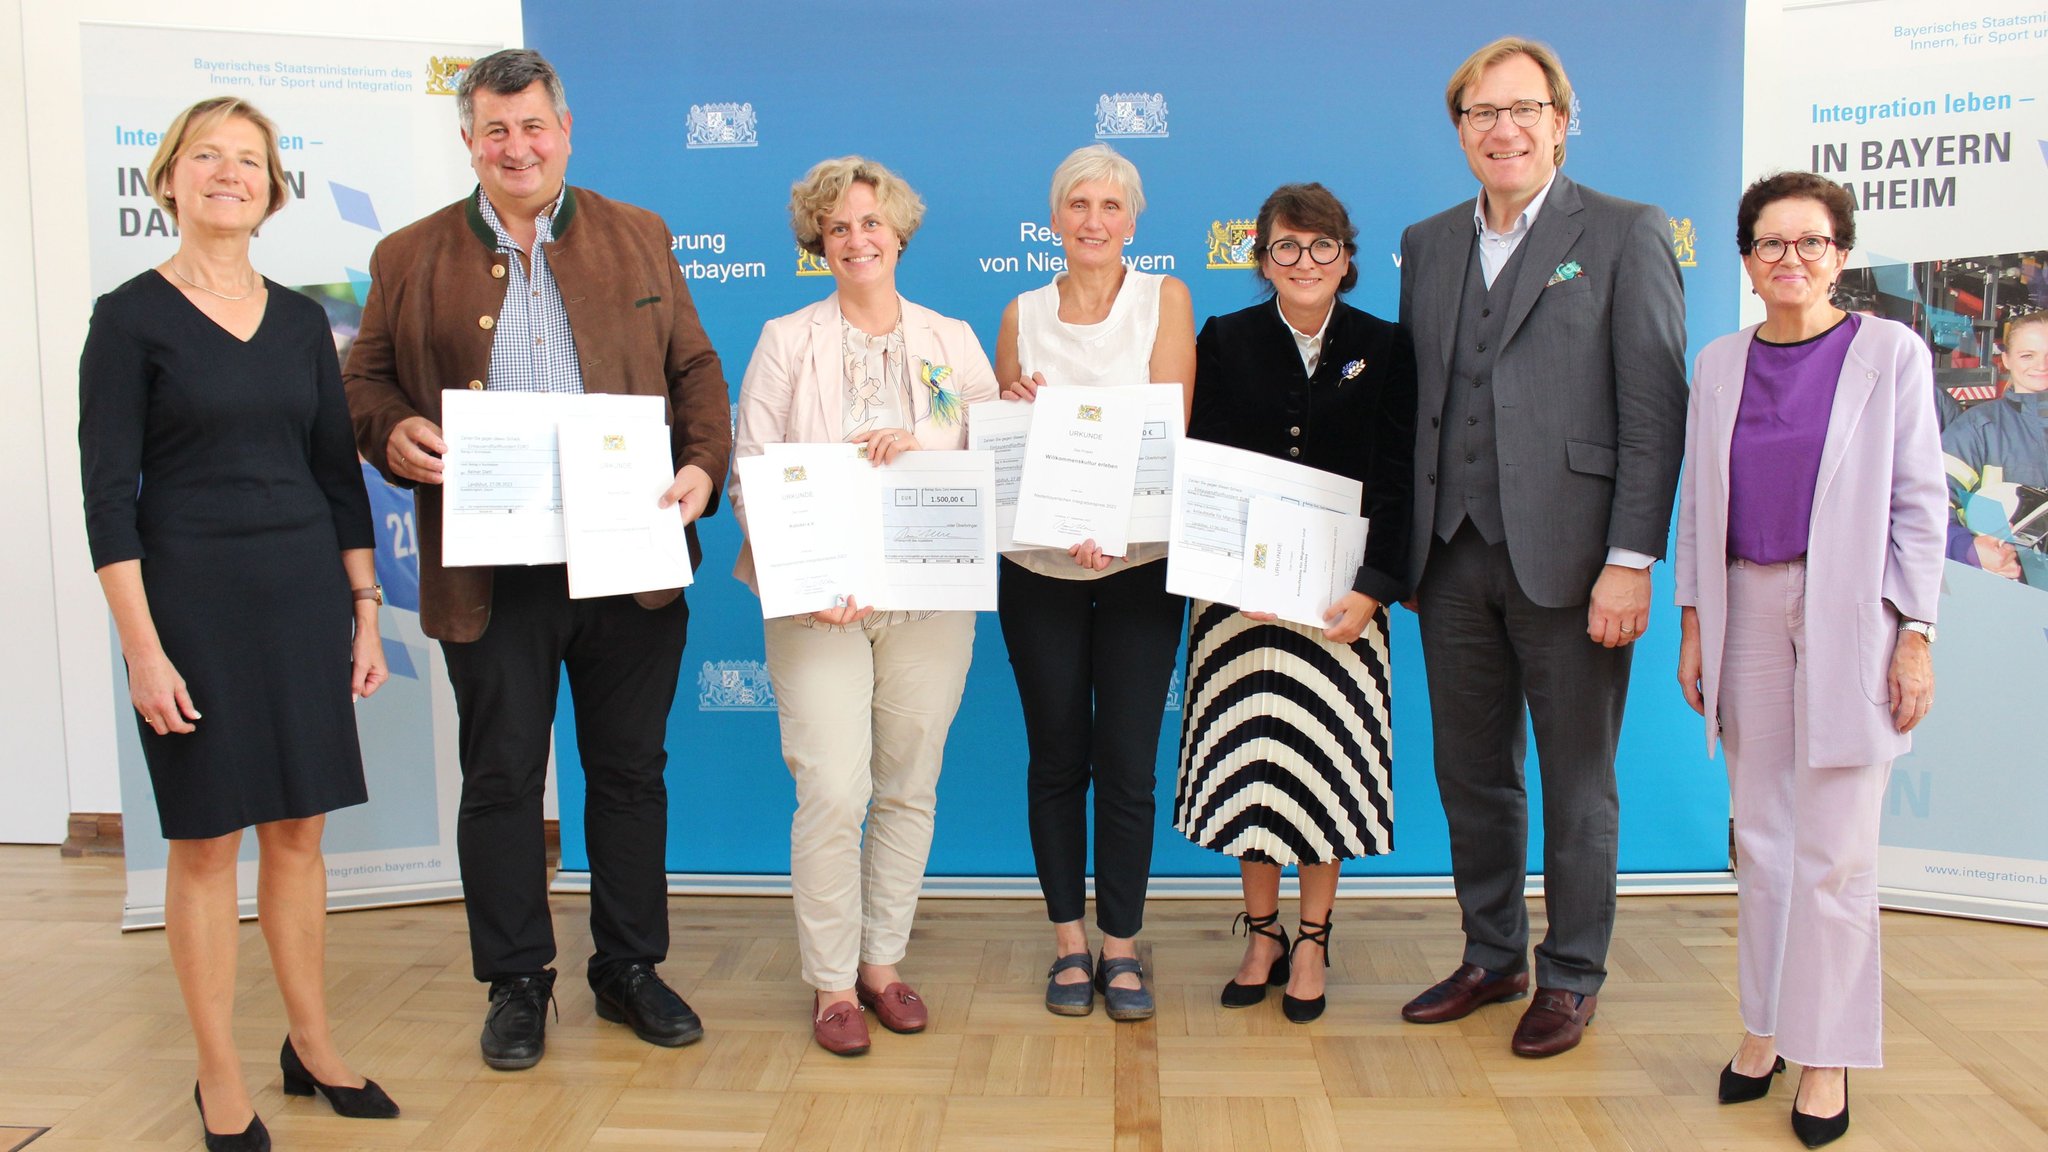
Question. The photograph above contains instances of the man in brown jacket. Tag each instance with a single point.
(531, 285)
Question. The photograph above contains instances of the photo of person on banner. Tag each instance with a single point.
(1996, 454)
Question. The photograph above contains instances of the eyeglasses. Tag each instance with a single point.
(1287, 253)
(1525, 114)
(1770, 249)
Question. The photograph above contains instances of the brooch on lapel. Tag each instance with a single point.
(1352, 370)
(1569, 270)
(945, 401)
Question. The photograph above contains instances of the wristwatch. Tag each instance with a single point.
(1925, 629)
(373, 592)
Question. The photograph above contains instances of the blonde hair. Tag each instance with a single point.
(1097, 162)
(2021, 323)
(200, 119)
(1476, 65)
(813, 198)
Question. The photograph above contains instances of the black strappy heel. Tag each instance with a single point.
(1237, 995)
(1298, 1010)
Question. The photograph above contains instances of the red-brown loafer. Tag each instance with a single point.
(1554, 1022)
(1462, 993)
(841, 1029)
(898, 1006)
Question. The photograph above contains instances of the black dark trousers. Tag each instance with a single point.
(622, 662)
(1093, 659)
(1491, 652)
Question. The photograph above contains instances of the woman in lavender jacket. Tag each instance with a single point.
(1813, 465)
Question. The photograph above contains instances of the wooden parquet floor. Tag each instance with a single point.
(93, 1042)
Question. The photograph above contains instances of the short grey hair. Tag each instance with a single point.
(507, 73)
(1097, 162)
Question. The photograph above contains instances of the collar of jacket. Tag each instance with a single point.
(477, 224)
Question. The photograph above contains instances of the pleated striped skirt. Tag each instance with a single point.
(1285, 741)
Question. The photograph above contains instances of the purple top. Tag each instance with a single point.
(1774, 455)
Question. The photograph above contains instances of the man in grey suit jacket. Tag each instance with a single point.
(1549, 329)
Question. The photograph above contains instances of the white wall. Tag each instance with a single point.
(58, 705)
(32, 761)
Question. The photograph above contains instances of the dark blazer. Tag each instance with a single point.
(1355, 418)
(1588, 388)
(435, 282)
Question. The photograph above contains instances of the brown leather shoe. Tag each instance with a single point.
(841, 1030)
(1554, 1022)
(1461, 993)
(897, 1006)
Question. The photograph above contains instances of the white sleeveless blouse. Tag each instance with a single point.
(1118, 350)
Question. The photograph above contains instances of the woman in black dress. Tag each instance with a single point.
(1285, 735)
(229, 525)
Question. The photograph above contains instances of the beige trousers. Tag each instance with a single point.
(864, 714)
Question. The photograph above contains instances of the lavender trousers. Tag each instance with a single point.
(1805, 840)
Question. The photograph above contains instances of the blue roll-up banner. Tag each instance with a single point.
(707, 113)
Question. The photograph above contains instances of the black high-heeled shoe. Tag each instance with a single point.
(1739, 1089)
(1237, 995)
(366, 1103)
(254, 1138)
(1814, 1131)
(1298, 1010)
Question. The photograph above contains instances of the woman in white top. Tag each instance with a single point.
(864, 698)
(1092, 637)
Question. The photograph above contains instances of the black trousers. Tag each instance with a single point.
(622, 662)
(1490, 652)
(1093, 659)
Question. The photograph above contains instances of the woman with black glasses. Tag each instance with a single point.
(1285, 737)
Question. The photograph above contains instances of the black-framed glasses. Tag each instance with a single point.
(1525, 114)
(1287, 253)
(1770, 249)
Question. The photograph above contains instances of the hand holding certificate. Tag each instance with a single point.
(804, 503)
(828, 528)
(618, 537)
(502, 494)
(1080, 465)
(1213, 492)
(1299, 560)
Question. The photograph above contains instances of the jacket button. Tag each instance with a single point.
(486, 323)
(476, 385)
(1294, 451)
(1294, 431)
(497, 271)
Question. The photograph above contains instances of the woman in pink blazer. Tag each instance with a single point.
(865, 698)
(1812, 464)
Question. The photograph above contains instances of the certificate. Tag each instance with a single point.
(1299, 560)
(804, 508)
(1000, 427)
(936, 547)
(1080, 466)
(618, 537)
(825, 526)
(1152, 486)
(1212, 501)
(501, 497)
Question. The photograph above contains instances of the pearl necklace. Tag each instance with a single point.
(210, 292)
